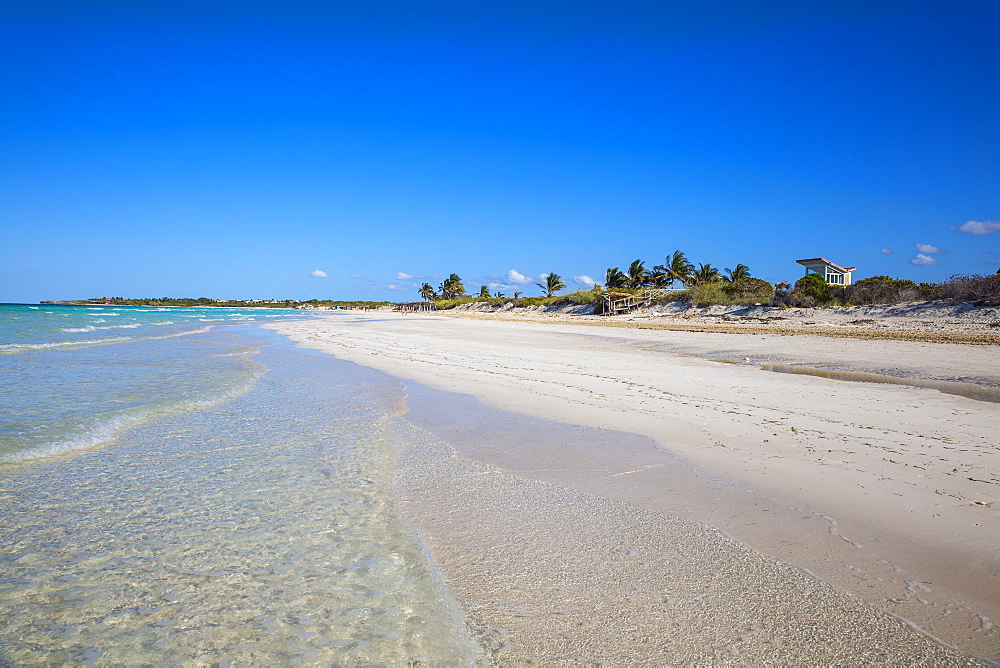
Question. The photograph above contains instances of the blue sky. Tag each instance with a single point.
(232, 150)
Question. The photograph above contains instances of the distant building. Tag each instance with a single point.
(832, 273)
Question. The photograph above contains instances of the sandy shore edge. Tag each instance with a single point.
(552, 575)
(448, 362)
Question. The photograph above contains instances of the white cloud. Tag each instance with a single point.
(393, 286)
(927, 248)
(356, 276)
(922, 259)
(886, 251)
(978, 227)
(517, 278)
(542, 277)
(318, 273)
(585, 280)
(403, 277)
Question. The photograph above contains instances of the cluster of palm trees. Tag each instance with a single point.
(676, 269)
(450, 289)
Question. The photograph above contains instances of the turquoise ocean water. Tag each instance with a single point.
(181, 486)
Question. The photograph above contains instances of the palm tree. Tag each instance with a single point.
(740, 273)
(553, 284)
(658, 278)
(452, 287)
(706, 273)
(484, 292)
(427, 292)
(677, 268)
(499, 295)
(615, 279)
(638, 275)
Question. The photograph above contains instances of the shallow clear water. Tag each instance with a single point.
(64, 388)
(253, 521)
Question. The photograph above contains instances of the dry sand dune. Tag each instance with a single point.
(593, 461)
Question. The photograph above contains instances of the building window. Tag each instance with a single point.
(837, 279)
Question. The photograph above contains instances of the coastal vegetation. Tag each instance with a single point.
(678, 280)
(225, 303)
(812, 290)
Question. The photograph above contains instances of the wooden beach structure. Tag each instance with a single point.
(617, 303)
(416, 307)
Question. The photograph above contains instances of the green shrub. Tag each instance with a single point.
(881, 290)
(814, 287)
(748, 290)
(706, 294)
(583, 297)
(930, 290)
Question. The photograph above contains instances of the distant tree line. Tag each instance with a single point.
(224, 303)
(812, 290)
(705, 285)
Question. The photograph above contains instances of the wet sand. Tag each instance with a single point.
(862, 484)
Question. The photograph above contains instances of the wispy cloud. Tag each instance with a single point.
(922, 260)
(886, 251)
(978, 227)
(517, 278)
(356, 276)
(318, 273)
(400, 276)
(927, 248)
(584, 280)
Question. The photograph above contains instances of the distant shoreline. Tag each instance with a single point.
(926, 322)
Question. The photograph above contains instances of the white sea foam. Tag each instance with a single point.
(200, 330)
(91, 328)
(97, 436)
(20, 347)
(108, 430)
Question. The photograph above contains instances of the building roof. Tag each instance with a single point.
(814, 260)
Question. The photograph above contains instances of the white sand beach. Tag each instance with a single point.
(579, 493)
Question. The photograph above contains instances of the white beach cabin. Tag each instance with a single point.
(832, 273)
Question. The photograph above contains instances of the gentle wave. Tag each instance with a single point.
(19, 347)
(91, 328)
(23, 347)
(105, 433)
(110, 429)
